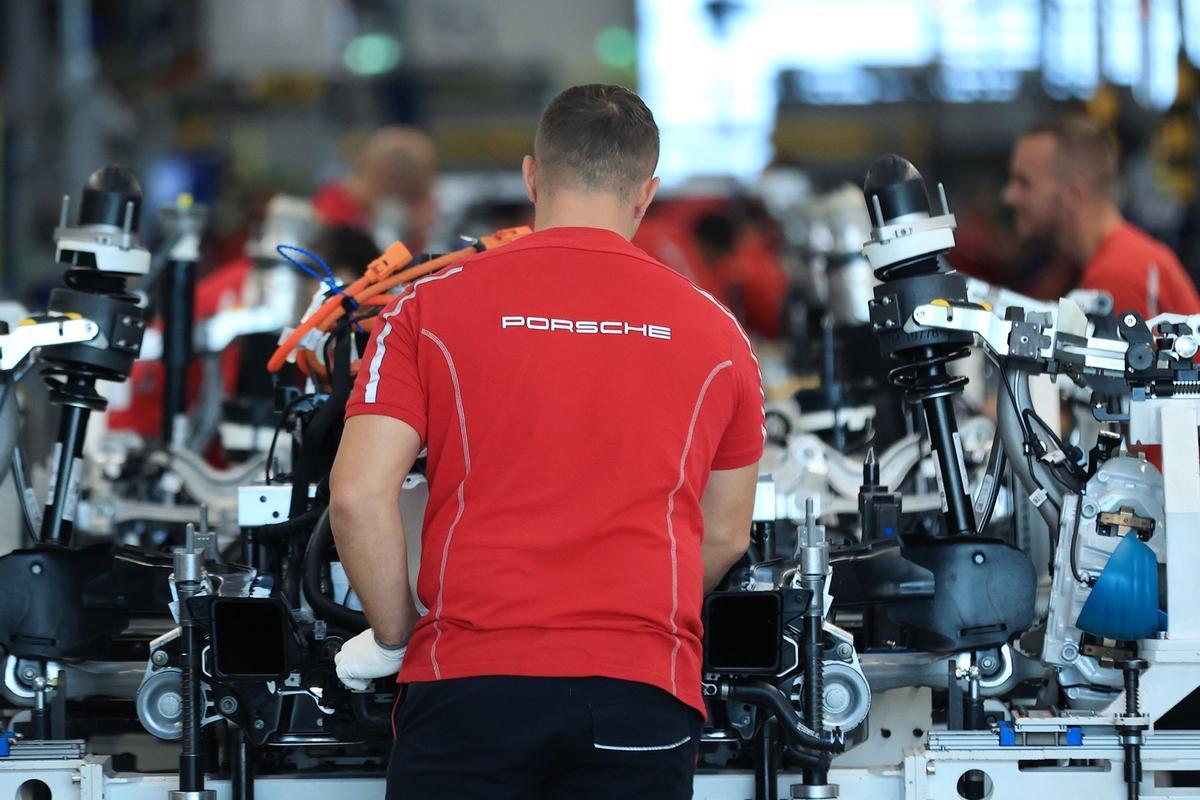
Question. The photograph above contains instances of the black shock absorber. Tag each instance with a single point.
(100, 254)
(905, 249)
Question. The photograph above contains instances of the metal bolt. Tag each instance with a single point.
(891, 323)
(259, 724)
(36, 569)
(887, 301)
(1130, 320)
(29, 673)
(845, 651)
(228, 705)
(930, 769)
(1070, 651)
(170, 705)
(745, 720)
(159, 658)
(978, 558)
(987, 662)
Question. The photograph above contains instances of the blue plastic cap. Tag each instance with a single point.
(1124, 602)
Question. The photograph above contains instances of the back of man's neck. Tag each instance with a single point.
(579, 211)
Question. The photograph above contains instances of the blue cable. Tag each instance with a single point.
(329, 279)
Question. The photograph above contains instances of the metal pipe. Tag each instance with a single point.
(189, 567)
(58, 521)
(1012, 435)
(178, 299)
(814, 564)
(241, 765)
(766, 762)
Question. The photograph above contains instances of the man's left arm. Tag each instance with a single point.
(375, 456)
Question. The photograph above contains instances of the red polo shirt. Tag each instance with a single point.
(1142, 274)
(574, 394)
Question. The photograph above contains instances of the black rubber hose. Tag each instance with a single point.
(314, 560)
(765, 695)
(302, 523)
(807, 759)
(373, 719)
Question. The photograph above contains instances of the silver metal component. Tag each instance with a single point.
(908, 237)
(822, 792)
(203, 794)
(1121, 482)
(16, 345)
(847, 696)
(35, 750)
(160, 704)
(264, 505)
(228, 705)
(159, 658)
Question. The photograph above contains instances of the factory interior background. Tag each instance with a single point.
(238, 117)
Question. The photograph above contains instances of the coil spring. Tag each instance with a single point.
(1186, 387)
(926, 377)
(75, 384)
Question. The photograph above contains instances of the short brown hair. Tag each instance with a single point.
(596, 137)
(1082, 150)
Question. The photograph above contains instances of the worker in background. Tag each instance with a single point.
(728, 247)
(593, 423)
(1062, 187)
(389, 191)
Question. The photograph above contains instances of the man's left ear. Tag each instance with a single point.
(644, 197)
(529, 176)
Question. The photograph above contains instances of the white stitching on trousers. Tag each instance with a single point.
(680, 743)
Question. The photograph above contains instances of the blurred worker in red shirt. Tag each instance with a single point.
(725, 246)
(389, 191)
(1062, 186)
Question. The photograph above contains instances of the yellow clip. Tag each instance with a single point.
(986, 307)
(942, 303)
(26, 322)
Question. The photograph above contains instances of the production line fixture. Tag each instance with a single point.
(884, 650)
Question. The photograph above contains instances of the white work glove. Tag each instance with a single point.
(362, 659)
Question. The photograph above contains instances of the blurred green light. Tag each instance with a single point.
(372, 54)
(616, 47)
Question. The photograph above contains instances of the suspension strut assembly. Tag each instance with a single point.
(907, 242)
(100, 254)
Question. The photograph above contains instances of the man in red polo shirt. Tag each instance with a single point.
(593, 423)
(1061, 187)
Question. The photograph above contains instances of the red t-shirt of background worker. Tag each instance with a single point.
(574, 395)
(1141, 274)
(335, 206)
